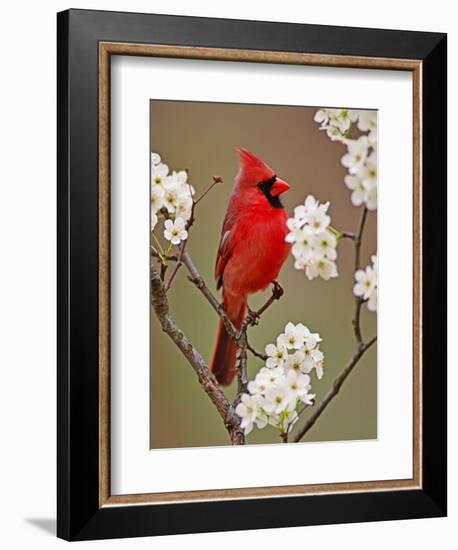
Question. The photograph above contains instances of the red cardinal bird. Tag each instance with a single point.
(251, 252)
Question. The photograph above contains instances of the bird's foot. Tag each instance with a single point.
(277, 290)
(252, 317)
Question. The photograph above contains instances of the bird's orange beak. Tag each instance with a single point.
(279, 187)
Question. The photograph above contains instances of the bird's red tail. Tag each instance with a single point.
(224, 355)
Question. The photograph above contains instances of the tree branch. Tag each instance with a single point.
(177, 265)
(334, 390)
(242, 358)
(196, 278)
(358, 300)
(361, 347)
(205, 377)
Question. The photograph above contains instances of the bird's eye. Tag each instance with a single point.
(266, 185)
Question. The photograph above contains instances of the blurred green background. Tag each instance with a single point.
(201, 137)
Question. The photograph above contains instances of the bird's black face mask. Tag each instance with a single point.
(266, 188)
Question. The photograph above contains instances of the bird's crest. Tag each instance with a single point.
(252, 169)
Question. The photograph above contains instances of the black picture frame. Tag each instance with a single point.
(79, 515)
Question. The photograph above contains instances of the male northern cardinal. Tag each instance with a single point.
(251, 252)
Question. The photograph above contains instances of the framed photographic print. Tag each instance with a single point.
(252, 274)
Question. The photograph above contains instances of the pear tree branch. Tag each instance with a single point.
(334, 389)
(205, 377)
(358, 301)
(361, 346)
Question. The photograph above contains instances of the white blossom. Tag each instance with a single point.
(171, 197)
(355, 184)
(250, 412)
(274, 375)
(155, 159)
(361, 156)
(153, 218)
(322, 116)
(297, 232)
(262, 382)
(303, 211)
(284, 384)
(357, 151)
(312, 340)
(183, 206)
(324, 245)
(336, 122)
(285, 420)
(157, 197)
(365, 282)
(367, 121)
(366, 285)
(303, 247)
(314, 359)
(277, 399)
(319, 370)
(175, 231)
(311, 215)
(298, 385)
(372, 302)
(296, 361)
(318, 221)
(368, 173)
(368, 177)
(294, 335)
(171, 191)
(276, 354)
(159, 173)
(180, 180)
(372, 138)
(371, 198)
(314, 244)
(324, 268)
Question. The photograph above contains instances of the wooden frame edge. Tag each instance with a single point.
(106, 49)
(257, 56)
(104, 276)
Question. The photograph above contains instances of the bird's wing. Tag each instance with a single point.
(224, 253)
(225, 250)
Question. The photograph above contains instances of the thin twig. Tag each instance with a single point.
(216, 180)
(177, 265)
(334, 390)
(256, 353)
(155, 254)
(253, 316)
(359, 236)
(306, 406)
(358, 300)
(348, 235)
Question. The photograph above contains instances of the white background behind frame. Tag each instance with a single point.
(30, 522)
(134, 467)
